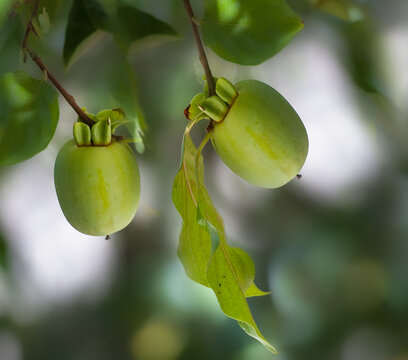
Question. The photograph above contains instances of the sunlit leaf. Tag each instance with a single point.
(203, 250)
(28, 116)
(194, 248)
(254, 291)
(228, 277)
(5, 8)
(248, 32)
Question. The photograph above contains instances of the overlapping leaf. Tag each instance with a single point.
(203, 250)
(79, 28)
(229, 275)
(3, 253)
(194, 248)
(5, 7)
(113, 84)
(28, 116)
(248, 32)
(346, 10)
(125, 22)
(11, 33)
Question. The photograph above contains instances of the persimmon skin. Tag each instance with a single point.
(261, 139)
(98, 187)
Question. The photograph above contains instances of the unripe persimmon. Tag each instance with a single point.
(261, 138)
(98, 187)
(256, 132)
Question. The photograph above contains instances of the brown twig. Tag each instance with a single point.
(30, 28)
(68, 97)
(201, 51)
(202, 56)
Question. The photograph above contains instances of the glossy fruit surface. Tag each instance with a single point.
(98, 187)
(262, 139)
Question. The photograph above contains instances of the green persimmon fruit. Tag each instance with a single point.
(98, 187)
(261, 138)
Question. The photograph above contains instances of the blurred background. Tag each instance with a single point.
(332, 248)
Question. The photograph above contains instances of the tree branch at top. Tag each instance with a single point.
(68, 97)
(201, 51)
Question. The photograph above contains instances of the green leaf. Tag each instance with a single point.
(194, 248)
(28, 117)
(112, 84)
(3, 253)
(360, 55)
(102, 13)
(254, 291)
(123, 93)
(228, 277)
(5, 7)
(147, 24)
(11, 34)
(206, 257)
(79, 28)
(125, 22)
(248, 32)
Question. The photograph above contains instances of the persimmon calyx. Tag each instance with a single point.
(215, 107)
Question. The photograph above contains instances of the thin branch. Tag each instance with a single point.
(201, 51)
(68, 97)
(30, 28)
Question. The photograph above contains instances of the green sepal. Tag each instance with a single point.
(103, 115)
(82, 134)
(226, 91)
(90, 115)
(102, 133)
(193, 111)
(215, 108)
(115, 115)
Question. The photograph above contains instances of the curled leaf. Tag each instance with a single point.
(203, 250)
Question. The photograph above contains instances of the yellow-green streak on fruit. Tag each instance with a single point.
(261, 139)
(98, 187)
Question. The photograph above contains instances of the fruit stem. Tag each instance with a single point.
(201, 51)
(191, 124)
(68, 97)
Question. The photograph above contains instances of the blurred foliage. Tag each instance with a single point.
(337, 271)
(3, 252)
(24, 100)
(88, 16)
